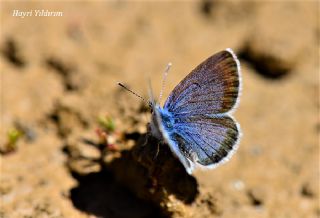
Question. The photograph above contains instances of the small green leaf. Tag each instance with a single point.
(107, 123)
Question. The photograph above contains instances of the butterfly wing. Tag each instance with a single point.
(211, 88)
(203, 132)
(206, 140)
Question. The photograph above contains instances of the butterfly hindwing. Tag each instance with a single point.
(206, 140)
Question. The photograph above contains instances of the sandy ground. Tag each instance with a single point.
(60, 74)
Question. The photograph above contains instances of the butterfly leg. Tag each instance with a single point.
(158, 149)
(146, 139)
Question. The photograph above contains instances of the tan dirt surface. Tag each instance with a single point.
(59, 76)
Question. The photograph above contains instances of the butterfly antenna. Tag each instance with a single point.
(139, 96)
(165, 74)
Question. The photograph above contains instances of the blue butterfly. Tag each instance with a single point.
(195, 120)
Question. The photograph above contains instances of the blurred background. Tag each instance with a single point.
(59, 76)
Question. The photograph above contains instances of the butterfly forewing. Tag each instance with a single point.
(211, 88)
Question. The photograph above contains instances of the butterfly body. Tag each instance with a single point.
(195, 120)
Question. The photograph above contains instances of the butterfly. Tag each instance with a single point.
(196, 120)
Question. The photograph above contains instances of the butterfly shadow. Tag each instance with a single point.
(101, 195)
(98, 192)
(134, 183)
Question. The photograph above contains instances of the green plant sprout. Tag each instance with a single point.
(107, 123)
(13, 136)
